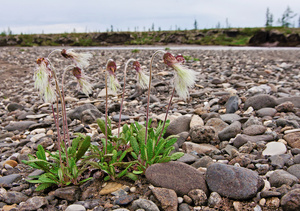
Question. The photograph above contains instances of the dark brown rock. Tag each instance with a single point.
(177, 176)
(71, 193)
(293, 139)
(291, 200)
(261, 101)
(166, 197)
(202, 134)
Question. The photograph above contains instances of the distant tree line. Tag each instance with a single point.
(286, 19)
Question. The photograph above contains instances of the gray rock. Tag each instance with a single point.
(281, 122)
(89, 116)
(217, 123)
(123, 117)
(166, 197)
(9, 179)
(297, 159)
(253, 130)
(182, 138)
(181, 124)
(144, 204)
(124, 200)
(279, 161)
(242, 139)
(232, 104)
(77, 112)
(188, 158)
(184, 207)
(14, 106)
(75, 207)
(202, 134)
(291, 200)
(14, 197)
(260, 101)
(203, 162)
(187, 178)
(294, 170)
(230, 131)
(295, 100)
(34, 203)
(269, 194)
(251, 121)
(281, 177)
(71, 193)
(266, 112)
(244, 183)
(230, 118)
(20, 126)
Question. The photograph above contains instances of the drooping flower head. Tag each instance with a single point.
(81, 59)
(82, 80)
(42, 80)
(143, 79)
(180, 59)
(113, 84)
(184, 78)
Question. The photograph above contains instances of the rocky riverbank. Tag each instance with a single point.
(240, 132)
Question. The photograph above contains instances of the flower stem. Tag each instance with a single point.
(149, 88)
(58, 136)
(124, 84)
(163, 127)
(106, 112)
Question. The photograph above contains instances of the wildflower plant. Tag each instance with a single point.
(62, 168)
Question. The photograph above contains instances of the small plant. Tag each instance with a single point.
(56, 174)
(167, 48)
(135, 51)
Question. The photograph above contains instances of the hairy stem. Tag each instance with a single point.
(149, 88)
(163, 127)
(106, 112)
(121, 106)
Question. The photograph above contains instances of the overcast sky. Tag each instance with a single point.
(58, 16)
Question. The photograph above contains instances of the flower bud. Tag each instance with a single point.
(111, 67)
(76, 71)
(136, 66)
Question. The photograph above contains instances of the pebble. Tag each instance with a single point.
(274, 148)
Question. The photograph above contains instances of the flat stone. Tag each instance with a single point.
(14, 197)
(34, 203)
(281, 177)
(253, 130)
(187, 178)
(295, 100)
(110, 187)
(244, 183)
(20, 126)
(36, 116)
(242, 139)
(75, 207)
(274, 148)
(77, 112)
(230, 118)
(123, 117)
(266, 112)
(189, 147)
(9, 179)
(232, 104)
(261, 101)
(124, 200)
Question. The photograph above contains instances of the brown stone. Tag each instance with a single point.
(177, 176)
(293, 139)
(166, 197)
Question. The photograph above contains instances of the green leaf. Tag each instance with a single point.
(60, 175)
(41, 153)
(131, 176)
(83, 181)
(176, 155)
(43, 186)
(106, 178)
(123, 155)
(134, 155)
(171, 142)
(164, 160)
(150, 147)
(141, 135)
(134, 144)
(101, 124)
(83, 147)
(159, 147)
(137, 172)
(114, 157)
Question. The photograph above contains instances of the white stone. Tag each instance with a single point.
(37, 131)
(36, 137)
(37, 116)
(274, 148)
(75, 207)
(109, 93)
(196, 120)
(292, 131)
